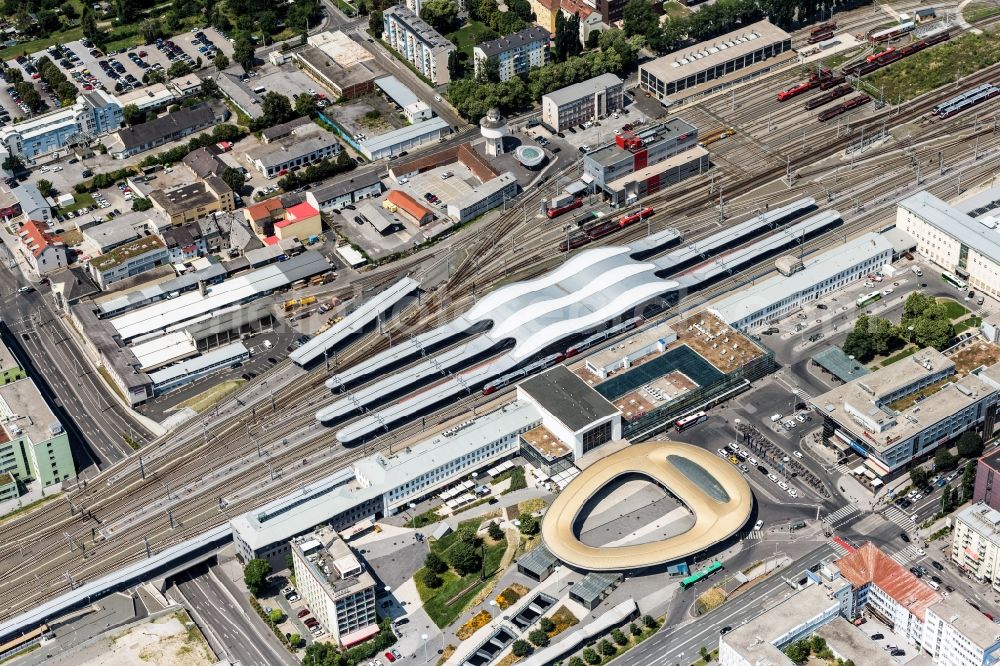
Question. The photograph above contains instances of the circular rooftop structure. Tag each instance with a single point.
(529, 156)
(493, 124)
(710, 488)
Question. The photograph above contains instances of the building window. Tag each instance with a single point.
(597, 436)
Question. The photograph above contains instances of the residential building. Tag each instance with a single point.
(405, 138)
(515, 54)
(69, 286)
(188, 203)
(545, 12)
(31, 204)
(301, 221)
(807, 280)
(610, 10)
(149, 98)
(483, 198)
(698, 70)
(335, 586)
(44, 251)
(419, 44)
(95, 113)
(987, 488)
(339, 63)
(878, 417)
(413, 108)
(130, 259)
(954, 240)
(165, 129)
(590, 18)
(205, 162)
(305, 146)
(975, 543)
(340, 193)
(185, 242)
(263, 216)
(34, 445)
(588, 100)
(414, 210)
(957, 636)
(10, 367)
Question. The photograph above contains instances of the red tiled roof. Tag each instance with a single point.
(264, 209)
(868, 564)
(551, 5)
(271, 240)
(38, 236)
(297, 213)
(577, 7)
(407, 204)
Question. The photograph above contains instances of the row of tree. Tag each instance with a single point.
(925, 322)
(25, 90)
(53, 75)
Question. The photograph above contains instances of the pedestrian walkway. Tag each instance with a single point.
(842, 551)
(907, 555)
(898, 516)
(755, 535)
(841, 515)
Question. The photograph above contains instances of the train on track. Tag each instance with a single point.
(591, 232)
(504, 380)
(820, 37)
(894, 32)
(823, 28)
(827, 97)
(966, 100)
(852, 103)
(587, 343)
(891, 55)
(831, 82)
(553, 213)
(815, 80)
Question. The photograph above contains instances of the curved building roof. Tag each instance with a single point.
(711, 488)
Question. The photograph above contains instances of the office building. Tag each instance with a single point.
(42, 249)
(588, 100)
(975, 543)
(188, 203)
(335, 586)
(350, 190)
(987, 488)
(704, 68)
(878, 417)
(304, 146)
(34, 446)
(632, 187)
(954, 240)
(165, 129)
(339, 63)
(807, 280)
(483, 197)
(95, 113)
(515, 54)
(148, 98)
(132, 258)
(419, 44)
(957, 636)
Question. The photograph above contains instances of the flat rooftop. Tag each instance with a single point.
(545, 442)
(644, 338)
(984, 519)
(954, 609)
(7, 360)
(24, 411)
(347, 574)
(342, 76)
(123, 253)
(680, 159)
(567, 397)
(954, 223)
(583, 89)
(854, 643)
(612, 153)
(706, 55)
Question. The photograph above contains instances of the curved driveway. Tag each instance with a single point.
(720, 500)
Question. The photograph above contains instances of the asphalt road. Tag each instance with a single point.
(243, 636)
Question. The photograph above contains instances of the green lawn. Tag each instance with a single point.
(674, 9)
(979, 11)
(953, 308)
(900, 356)
(937, 66)
(41, 43)
(969, 322)
(446, 603)
(80, 200)
(468, 36)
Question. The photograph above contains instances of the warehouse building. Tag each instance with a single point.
(304, 146)
(803, 281)
(588, 100)
(713, 65)
(483, 198)
(515, 54)
(339, 63)
(336, 195)
(419, 44)
(412, 107)
(404, 139)
(184, 372)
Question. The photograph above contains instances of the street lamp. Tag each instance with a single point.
(423, 637)
(493, 612)
(413, 515)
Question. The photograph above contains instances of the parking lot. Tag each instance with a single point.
(598, 133)
(286, 79)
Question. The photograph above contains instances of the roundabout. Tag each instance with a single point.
(714, 492)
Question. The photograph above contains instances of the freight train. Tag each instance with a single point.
(602, 229)
(504, 380)
(833, 81)
(836, 93)
(830, 26)
(820, 37)
(966, 100)
(891, 55)
(852, 103)
(891, 33)
(814, 81)
(556, 212)
(587, 343)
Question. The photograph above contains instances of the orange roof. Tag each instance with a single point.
(869, 564)
(577, 7)
(38, 236)
(551, 5)
(297, 213)
(264, 209)
(407, 204)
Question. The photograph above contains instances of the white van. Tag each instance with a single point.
(268, 344)
(916, 271)
(933, 585)
(775, 418)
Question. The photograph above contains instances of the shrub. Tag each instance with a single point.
(606, 648)
(521, 648)
(619, 637)
(432, 580)
(538, 637)
(495, 531)
(634, 628)
(434, 563)
(649, 621)
(591, 657)
(276, 616)
(547, 625)
(517, 480)
(529, 525)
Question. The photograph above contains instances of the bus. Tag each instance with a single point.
(690, 421)
(865, 299)
(701, 574)
(953, 280)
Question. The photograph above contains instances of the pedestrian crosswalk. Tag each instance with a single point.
(839, 548)
(801, 395)
(841, 515)
(897, 516)
(843, 468)
(755, 535)
(907, 555)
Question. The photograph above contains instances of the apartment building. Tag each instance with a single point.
(419, 44)
(975, 543)
(130, 259)
(41, 248)
(516, 53)
(952, 239)
(957, 636)
(987, 488)
(95, 113)
(580, 102)
(335, 585)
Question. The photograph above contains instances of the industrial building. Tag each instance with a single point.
(184, 372)
(411, 106)
(588, 100)
(954, 240)
(170, 127)
(350, 190)
(335, 585)
(876, 416)
(94, 114)
(709, 66)
(34, 446)
(632, 187)
(339, 63)
(131, 258)
(483, 198)
(304, 146)
(419, 44)
(405, 138)
(516, 53)
(803, 281)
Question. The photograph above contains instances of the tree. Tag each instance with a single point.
(547, 625)
(970, 444)
(521, 648)
(919, 476)
(859, 343)
(154, 76)
(618, 636)
(268, 22)
(432, 580)
(275, 616)
(456, 69)
(177, 69)
(947, 500)
(634, 629)
(48, 21)
(243, 51)
(305, 105)
(140, 204)
(884, 335)
(591, 657)
(797, 651)
(703, 653)
(440, 14)
(44, 187)
(529, 525)
(376, 23)
(12, 163)
(606, 648)
(124, 10)
(968, 481)
(944, 461)
(575, 661)
(276, 109)
(150, 29)
(488, 70)
(294, 640)
(539, 638)
(465, 558)
(221, 61)
(593, 39)
(817, 644)
(133, 115)
(88, 22)
(638, 18)
(434, 563)
(255, 575)
(649, 621)
(496, 533)
(233, 178)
